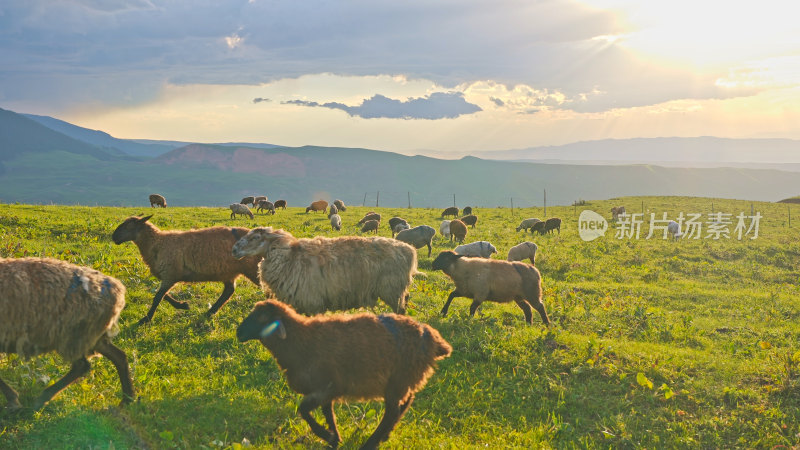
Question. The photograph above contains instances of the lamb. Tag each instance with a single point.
(528, 223)
(157, 200)
(469, 220)
(538, 227)
(321, 274)
(674, 228)
(248, 200)
(336, 222)
(451, 211)
(467, 211)
(417, 237)
(553, 223)
(189, 256)
(482, 249)
(617, 211)
(370, 216)
(444, 229)
(493, 280)
(241, 209)
(371, 225)
(333, 210)
(458, 230)
(52, 305)
(319, 205)
(340, 205)
(523, 250)
(267, 206)
(332, 358)
(395, 221)
(280, 204)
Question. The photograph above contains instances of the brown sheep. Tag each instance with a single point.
(451, 211)
(340, 205)
(370, 216)
(265, 205)
(553, 223)
(280, 204)
(258, 199)
(370, 225)
(523, 250)
(336, 357)
(617, 211)
(157, 200)
(190, 256)
(319, 205)
(538, 227)
(469, 220)
(394, 221)
(248, 200)
(493, 280)
(467, 211)
(458, 230)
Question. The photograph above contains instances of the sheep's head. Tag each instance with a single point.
(259, 241)
(129, 229)
(492, 248)
(445, 260)
(264, 321)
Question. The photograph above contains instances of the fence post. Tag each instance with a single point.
(454, 199)
(789, 213)
(512, 206)
(545, 203)
(365, 200)
(377, 199)
(409, 199)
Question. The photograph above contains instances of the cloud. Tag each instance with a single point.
(233, 41)
(261, 99)
(439, 105)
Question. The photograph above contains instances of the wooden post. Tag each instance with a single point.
(454, 199)
(365, 199)
(789, 213)
(751, 209)
(545, 203)
(512, 206)
(377, 199)
(409, 199)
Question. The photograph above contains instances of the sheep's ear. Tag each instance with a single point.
(145, 219)
(281, 330)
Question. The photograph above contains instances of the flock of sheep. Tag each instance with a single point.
(52, 305)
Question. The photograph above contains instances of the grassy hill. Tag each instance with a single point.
(653, 344)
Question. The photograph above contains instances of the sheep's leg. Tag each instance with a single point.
(226, 294)
(310, 403)
(394, 410)
(526, 308)
(79, 368)
(429, 249)
(453, 295)
(175, 303)
(540, 308)
(162, 291)
(327, 410)
(474, 307)
(11, 395)
(120, 361)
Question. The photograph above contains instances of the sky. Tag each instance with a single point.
(443, 77)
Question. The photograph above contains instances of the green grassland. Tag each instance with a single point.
(654, 343)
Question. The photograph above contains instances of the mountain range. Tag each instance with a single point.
(46, 160)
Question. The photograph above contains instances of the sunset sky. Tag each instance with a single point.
(406, 76)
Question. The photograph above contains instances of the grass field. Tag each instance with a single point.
(654, 343)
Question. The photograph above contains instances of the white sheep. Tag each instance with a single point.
(444, 229)
(523, 250)
(674, 229)
(482, 249)
(336, 222)
(526, 224)
(238, 208)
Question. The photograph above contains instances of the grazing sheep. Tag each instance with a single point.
(458, 230)
(467, 211)
(322, 274)
(493, 280)
(400, 227)
(617, 211)
(241, 209)
(340, 204)
(319, 205)
(157, 200)
(267, 206)
(395, 221)
(332, 358)
(52, 305)
(538, 227)
(333, 210)
(370, 216)
(469, 220)
(370, 225)
(336, 222)
(553, 223)
(482, 249)
(417, 237)
(444, 229)
(528, 224)
(248, 201)
(524, 250)
(189, 256)
(674, 229)
(280, 204)
(451, 211)
(259, 198)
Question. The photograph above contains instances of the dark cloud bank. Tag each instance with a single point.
(439, 105)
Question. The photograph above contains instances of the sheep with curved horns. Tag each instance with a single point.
(52, 305)
(329, 358)
(336, 222)
(528, 223)
(242, 210)
(451, 211)
(189, 256)
(321, 274)
(157, 200)
(319, 205)
(523, 250)
(418, 237)
(493, 280)
(481, 249)
(340, 205)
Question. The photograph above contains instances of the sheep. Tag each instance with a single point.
(370, 225)
(417, 237)
(336, 222)
(617, 211)
(336, 357)
(321, 274)
(189, 256)
(458, 230)
(395, 221)
(674, 228)
(319, 205)
(370, 216)
(538, 227)
(523, 250)
(52, 305)
(451, 211)
(467, 211)
(333, 210)
(493, 280)
(553, 223)
(280, 204)
(527, 223)
(157, 200)
(258, 199)
(267, 206)
(483, 249)
(444, 229)
(241, 209)
(340, 204)
(469, 220)
(248, 201)
(400, 227)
